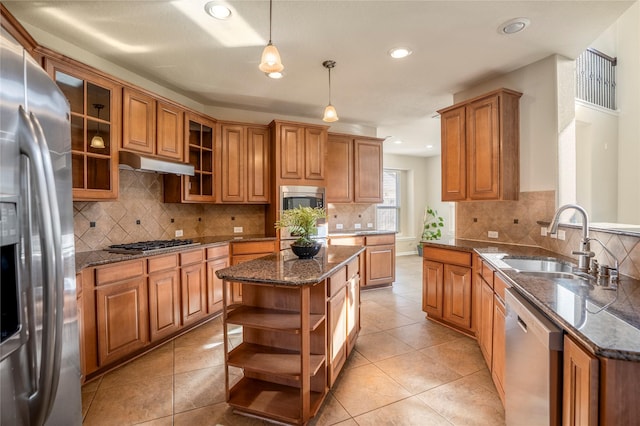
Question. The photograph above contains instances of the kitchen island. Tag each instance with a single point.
(299, 321)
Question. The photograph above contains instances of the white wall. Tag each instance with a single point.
(538, 120)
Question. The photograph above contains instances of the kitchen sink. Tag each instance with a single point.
(533, 264)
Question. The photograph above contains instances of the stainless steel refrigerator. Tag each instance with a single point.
(39, 364)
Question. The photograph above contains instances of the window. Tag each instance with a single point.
(388, 213)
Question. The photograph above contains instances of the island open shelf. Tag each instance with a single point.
(288, 336)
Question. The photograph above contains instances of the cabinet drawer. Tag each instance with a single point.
(218, 251)
(378, 240)
(119, 271)
(353, 268)
(190, 257)
(337, 281)
(447, 256)
(487, 273)
(499, 285)
(161, 263)
(253, 247)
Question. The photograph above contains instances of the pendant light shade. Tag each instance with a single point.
(96, 140)
(330, 113)
(270, 61)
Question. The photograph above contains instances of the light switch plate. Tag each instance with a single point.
(358, 226)
(369, 225)
(179, 233)
(338, 226)
(543, 231)
(237, 229)
(492, 234)
(561, 235)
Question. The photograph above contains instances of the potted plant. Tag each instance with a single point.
(431, 224)
(302, 222)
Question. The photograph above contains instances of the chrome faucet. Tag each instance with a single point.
(585, 253)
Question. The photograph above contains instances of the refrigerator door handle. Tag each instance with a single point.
(33, 145)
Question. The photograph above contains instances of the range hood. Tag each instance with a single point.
(132, 161)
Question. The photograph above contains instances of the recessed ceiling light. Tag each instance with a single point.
(274, 75)
(513, 26)
(217, 10)
(399, 52)
(397, 142)
(429, 146)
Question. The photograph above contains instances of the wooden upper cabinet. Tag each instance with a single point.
(480, 148)
(300, 153)
(242, 158)
(151, 126)
(453, 155)
(139, 121)
(170, 131)
(368, 170)
(199, 132)
(95, 103)
(339, 169)
(354, 169)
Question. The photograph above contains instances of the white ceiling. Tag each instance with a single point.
(455, 44)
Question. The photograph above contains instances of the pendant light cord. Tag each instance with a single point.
(270, 18)
(329, 86)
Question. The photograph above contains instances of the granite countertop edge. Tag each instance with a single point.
(484, 248)
(92, 258)
(250, 272)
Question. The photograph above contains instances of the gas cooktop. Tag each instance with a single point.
(149, 247)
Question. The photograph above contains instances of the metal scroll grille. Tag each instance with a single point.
(596, 78)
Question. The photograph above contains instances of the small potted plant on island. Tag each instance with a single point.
(302, 222)
(431, 224)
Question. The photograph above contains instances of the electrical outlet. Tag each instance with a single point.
(179, 233)
(338, 226)
(492, 234)
(554, 236)
(543, 231)
(358, 226)
(369, 225)
(561, 235)
(237, 230)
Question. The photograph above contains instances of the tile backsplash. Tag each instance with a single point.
(349, 215)
(139, 214)
(516, 223)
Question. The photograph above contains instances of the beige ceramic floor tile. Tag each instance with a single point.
(356, 359)
(408, 412)
(466, 403)
(349, 422)
(131, 403)
(87, 399)
(198, 388)
(424, 334)
(366, 388)
(196, 357)
(381, 345)
(461, 355)
(163, 421)
(416, 372)
(156, 363)
(208, 333)
(214, 415)
(330, 413)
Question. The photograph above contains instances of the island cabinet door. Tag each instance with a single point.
(432, 273)
(214, 285)
(353, 312)
(194, 292)
(486, 322)
(337, 311)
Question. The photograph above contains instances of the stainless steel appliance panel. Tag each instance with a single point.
(40, 376)
(533, 359)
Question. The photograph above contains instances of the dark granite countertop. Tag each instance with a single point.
(573, 304)
(284, 268)
(102, 257)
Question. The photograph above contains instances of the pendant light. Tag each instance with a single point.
(96, 140)
(270, 61)
(330, 113)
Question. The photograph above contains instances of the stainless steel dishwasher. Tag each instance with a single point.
(533, 385)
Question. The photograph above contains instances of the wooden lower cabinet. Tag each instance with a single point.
(164, 303)
(446, 287)
(485, 330)
(243, 251)
(194, 292)
(122, 319)
(214, 285)
(337, 320)
(380, 260)
(353, 309)
(580, 386)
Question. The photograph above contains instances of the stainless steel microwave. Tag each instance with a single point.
(301, 196)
